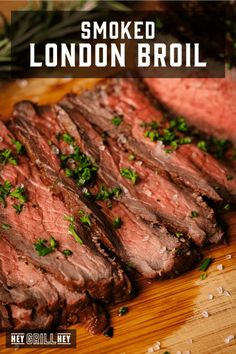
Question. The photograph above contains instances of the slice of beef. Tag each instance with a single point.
(155, 197)
(164, 253)
(208, 104)
(78, 307)
(43, 216)
(37, 300)
(5, 324)
(122, 96)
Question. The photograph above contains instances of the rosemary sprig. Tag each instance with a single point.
(42, 22)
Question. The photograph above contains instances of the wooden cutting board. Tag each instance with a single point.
(170, 311)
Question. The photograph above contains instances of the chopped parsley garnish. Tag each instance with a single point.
(122, 310)
(18, 208)
(87, 194)
(229, 178)
(6, 226)
(129, 173)
(219, 147)
(43, 249)
(117, 222)
(170, 135)
(205, 264)
(70, 218)
(131, 157)
(73, 232)
(68, 138)
(194, 214)
(79, 167)
(4, 192)
(67, 252)
(19, 193)
(202, 145)
(117, 120)
(152, 135)
(227, 207)
(85, 218)
(203, 276)
(105, 194)
(153, 124)
(178, 234)
(7, 157)
(115, 192)
(20, 149)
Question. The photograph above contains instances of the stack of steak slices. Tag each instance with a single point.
(55, 271)
(208, 104)
(96, 190)
(187, 166)
(149, 248)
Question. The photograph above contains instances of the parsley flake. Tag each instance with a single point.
(117, 120)
(129, 173)
(67, 252)
(43, 249)
(122, 310)
(205, 264)
(117, 222)
(7, 157)
(73, 232)
(194, 214)
(85, 218)
(6, 226)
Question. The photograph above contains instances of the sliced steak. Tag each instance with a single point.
(43, 216)
(5, 324)
(122, 96)
(35, 299)
(164, 254)
(154, 197)
(208, 104)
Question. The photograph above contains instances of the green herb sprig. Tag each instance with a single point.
(130, 174)
(205, 264)
(105, 194)
(42, 248)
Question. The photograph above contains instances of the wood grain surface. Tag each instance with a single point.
(170, 311)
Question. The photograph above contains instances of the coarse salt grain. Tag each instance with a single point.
(229, 339)
(150, 350)
(226, 293)
(190, 341)
(205, 314)
(121, 139)
(187, 352)
(220, 267)
(1, 139)
(178, 352)
(139, 163)
(55, 150)
(210, 297)
(157, 346)
(148, 193)
(220, 290)
(71, 149)
(229, 256)
(102, 147)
